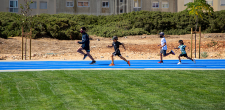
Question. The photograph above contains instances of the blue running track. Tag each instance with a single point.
(104, 64)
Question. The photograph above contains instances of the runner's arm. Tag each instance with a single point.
(123, 46)
(85, 39)
(110, 45)
(163, 45)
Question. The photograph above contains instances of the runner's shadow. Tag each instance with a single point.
(102, 64)
(107, 64)
(181, 64)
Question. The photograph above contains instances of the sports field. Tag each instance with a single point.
(113, 89)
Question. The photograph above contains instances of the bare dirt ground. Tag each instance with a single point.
(137, 47)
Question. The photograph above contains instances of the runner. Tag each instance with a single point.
(85, 45)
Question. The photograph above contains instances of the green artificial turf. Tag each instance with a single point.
(109, 90)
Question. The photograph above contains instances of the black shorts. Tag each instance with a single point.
(163, 52)
(116, 53)
(183, 55)
(87, 49)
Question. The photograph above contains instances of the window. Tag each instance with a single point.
(105, 4)
(187, 1)
(155, 4)
(43, 5)
(210, 2)
(13, 6)
(165, 5)
(33, 5)
(121, 0)
(121, 10)
(222, 2)
(83, 4)
(69, 4)
(137, 5)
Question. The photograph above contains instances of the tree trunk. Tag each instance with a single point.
(196, 23)
(195, 32)
(195, 42)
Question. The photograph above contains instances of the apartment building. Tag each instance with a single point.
(160, 5)
(102, 7)
(89, 7)
(38, 6)
(109, 7)
(216, 4)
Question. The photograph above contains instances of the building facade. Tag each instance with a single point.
(160, 5)
(38, 6)
(217, 5)
(109, 7)
(101, 7)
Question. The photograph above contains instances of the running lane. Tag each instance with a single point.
(104, 64)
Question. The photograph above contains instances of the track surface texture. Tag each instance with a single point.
(213, 64)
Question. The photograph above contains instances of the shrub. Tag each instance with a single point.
(1, 30)
(204, 54)
(212, 43)
(67, 26)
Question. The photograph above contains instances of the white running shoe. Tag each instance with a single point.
(194, 61)
(179, 63)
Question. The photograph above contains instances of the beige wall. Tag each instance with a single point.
(147, 5)
(51, 7)
(219, 5)
(85, 9)
(94, 8)
(61, 6)
(216, 5)
(2, 6)
(51, 4)
(180, 5)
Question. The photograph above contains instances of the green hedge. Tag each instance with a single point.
(65, 26)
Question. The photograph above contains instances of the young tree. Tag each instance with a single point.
(26, 23)
(26, 15)
(197, 8)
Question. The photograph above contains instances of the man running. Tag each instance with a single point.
(85, 45)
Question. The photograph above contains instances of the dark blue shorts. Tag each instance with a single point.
(87, 49)
(163, 52)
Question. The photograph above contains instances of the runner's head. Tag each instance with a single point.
(161, 34)
(181, 42)
(82, 30)
(115, 38)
